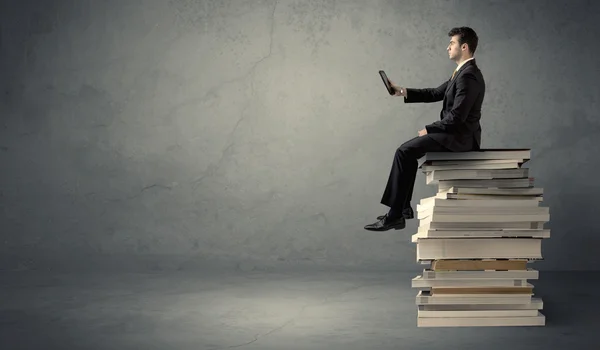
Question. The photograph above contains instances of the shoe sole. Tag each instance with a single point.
(395, 227)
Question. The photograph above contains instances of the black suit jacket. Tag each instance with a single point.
(458, 128)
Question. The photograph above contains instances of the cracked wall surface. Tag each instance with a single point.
(260, 131)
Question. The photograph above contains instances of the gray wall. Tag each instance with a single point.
(175, 133)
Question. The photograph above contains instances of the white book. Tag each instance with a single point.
(472, 162)
(421, 312)
(474, 226)
(429, 262)
(534, 304)
(467, 196)
(483, 218)
(444, 185)
(425, 298)
(527, 191)
(497, 201)
(481, 210)
(508, 233)
(479, 248)
(475, 165)
(484, 154)
(538, 320)
(530, 274)
(420, 282)
(435, 176)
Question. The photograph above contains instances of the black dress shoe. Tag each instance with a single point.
(387, 223)
(407, 213)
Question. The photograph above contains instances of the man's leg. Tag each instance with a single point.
(398, 192)
(415, 151)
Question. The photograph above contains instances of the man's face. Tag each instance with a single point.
(454, 50)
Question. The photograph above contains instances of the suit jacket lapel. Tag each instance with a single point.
(458, 73)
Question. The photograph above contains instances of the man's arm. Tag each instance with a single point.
(466, 94)
(425, 95)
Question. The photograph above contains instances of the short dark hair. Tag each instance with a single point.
(467, 36)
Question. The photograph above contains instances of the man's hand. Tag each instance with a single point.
(422, 132)
(400, 91)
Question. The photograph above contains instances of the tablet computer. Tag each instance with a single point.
(386, 82)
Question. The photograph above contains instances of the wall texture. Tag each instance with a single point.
(260, 131)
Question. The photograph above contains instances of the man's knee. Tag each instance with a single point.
(410, 143)
(405, 151)
(408, 147)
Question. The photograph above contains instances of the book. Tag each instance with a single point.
(483, 154)
(480, 265)
(497, 320)
(434, 176)
(479, 234)
(479, 248)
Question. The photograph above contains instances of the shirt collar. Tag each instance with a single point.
(462, 63)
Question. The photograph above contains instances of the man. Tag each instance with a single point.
(458, 129)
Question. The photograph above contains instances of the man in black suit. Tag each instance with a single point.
(458, 129)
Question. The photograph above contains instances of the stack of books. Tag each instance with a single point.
(479, 234)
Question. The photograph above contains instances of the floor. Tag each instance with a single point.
(260, 310)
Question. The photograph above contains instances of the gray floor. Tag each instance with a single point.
(259, 310)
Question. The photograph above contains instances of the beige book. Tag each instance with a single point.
(481, 290)
(505, 321)
(479, 265)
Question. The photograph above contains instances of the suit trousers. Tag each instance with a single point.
(399, 189)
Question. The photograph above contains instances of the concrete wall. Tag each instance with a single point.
(259, 131)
